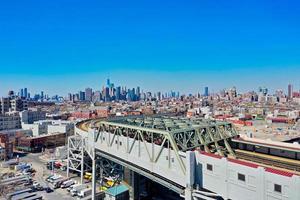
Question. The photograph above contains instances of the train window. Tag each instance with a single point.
(241, 177)
(277, 188)
(120, 143)
(209, 167)
(116, 142)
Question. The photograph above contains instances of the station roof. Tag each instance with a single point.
(166, 123)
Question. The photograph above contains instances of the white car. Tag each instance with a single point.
(36, 184)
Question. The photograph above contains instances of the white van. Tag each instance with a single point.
(71, 187)
(77, 189)
(67, 183)
(85, 192)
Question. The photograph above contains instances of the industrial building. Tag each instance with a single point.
(30, 116)
(44, 127)
(193, 158)
(38, 143)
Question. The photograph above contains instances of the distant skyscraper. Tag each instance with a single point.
(88, 94)
(138, 93)
(22, 93)
(108, 83)
(290, 91)
(159, 96)
(70, 97)
(106, 94)
(263, 90)
(97, 96)
(11, 93)
(206, 91)
(118, 93)
(25, 93)
(81, 96)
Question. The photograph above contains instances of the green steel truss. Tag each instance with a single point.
(177, 134)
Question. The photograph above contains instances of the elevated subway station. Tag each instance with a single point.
(172, 152)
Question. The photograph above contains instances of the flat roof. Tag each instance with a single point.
(116, 190)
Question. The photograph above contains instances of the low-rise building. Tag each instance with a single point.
(44, 127)
(30, 116)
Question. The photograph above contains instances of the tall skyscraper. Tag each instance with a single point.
(138, 93)
(25, 93)
(81, 96)
(206, 91)
(22, 92)
(108, 82)
(118, 93)
(290, 91)
(88, 94)
(106, 94)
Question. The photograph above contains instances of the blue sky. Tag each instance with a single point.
(67, 45)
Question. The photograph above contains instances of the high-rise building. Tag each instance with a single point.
(290, 91)
(138, 93)
(81, 96)
(108, 82)
(70, 97)
(88, 94)
(263, 90)
(206, 91)
(25, 93)
(106, 94)
(22, 92)
(118, 93)
(97, 96)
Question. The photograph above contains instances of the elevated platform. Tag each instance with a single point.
(268, 147)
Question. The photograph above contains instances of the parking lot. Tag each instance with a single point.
(40, 186)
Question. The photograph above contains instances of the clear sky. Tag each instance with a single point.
(66, 45)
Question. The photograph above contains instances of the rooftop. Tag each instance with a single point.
(116, 190)
(167, 123)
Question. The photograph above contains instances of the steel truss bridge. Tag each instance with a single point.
(156, 148)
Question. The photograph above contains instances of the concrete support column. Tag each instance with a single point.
(188, 194)
(190, 174)
(94, 171)
(135, 185)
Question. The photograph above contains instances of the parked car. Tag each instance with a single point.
(36, 184)
(48, 189)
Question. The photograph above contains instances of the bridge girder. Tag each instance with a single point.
(183, 134)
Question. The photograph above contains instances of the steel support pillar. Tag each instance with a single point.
(76, 155)
(82, 166)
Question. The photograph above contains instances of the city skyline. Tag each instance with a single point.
(114, 86)
(174, 45)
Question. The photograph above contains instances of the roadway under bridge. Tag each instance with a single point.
(160, 149)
